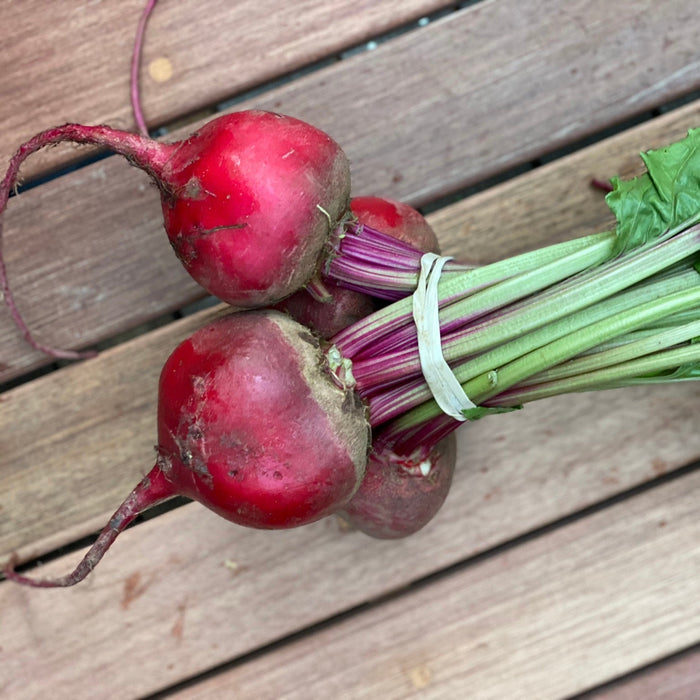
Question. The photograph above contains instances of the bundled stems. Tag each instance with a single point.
(567, 319)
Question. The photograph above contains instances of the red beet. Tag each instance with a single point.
(327, 317)
(251, 425)
(396, 219)
(252, 199)
(400, 495)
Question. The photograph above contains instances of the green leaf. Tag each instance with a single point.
(667, 195)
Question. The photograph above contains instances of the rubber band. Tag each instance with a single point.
(441, 380)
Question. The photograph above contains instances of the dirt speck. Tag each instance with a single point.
(178, 627)
(659, 466)
(160, 69)
(343, 524)
(133, 588)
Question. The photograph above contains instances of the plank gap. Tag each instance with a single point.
(29, 376)
(110, 342)
(545, 159)
(259, 652)
(547, 528)
(558, 153)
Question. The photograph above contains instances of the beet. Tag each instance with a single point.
(399, 495)
(251, 425)
(396, 219)
(249, 201)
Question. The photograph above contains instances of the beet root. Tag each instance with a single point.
(251, 425)
(254, 197)
(400, 495)
(396, 219)
(344, 307)
(249, 202)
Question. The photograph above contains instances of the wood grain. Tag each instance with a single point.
(76, 67)
(484, 89)
(74, 443)
(544, 620)
(189, 570)
(556, 200)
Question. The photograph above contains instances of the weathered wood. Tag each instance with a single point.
(481, 90)
(580, 603)
(547, 619)
(75, 443)
(187, 591)
(675, 679)
(76, 66)
(556, 198)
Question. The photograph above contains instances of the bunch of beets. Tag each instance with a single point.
(315, 393)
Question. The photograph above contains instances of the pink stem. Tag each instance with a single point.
(135, 65)
(318, 291)
(603, 185)
(152, 489)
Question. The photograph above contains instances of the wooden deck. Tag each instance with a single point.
(566, 561)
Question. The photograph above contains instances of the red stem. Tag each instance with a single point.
(152, 489)
(136, 64)
(146, 154)
(604, 185)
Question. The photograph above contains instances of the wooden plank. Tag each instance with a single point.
(74, 421)
(581, 604)
(675, 679)
(76, 67)
(455, 72)
(544, 620)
